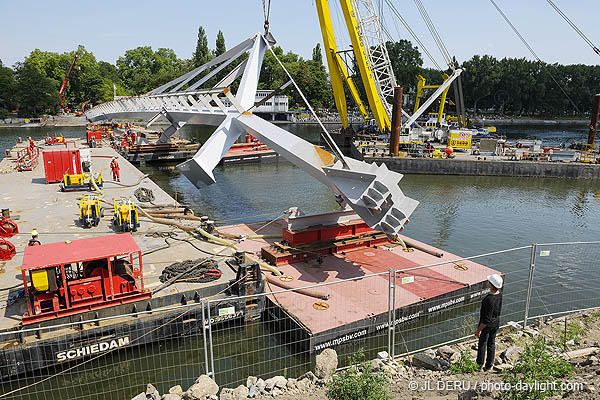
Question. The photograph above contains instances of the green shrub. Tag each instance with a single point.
(464, 365)
(359, 382)
(575, 331)
(536, 364)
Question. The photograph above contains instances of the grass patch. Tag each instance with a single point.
(574, 331)
(464, 365)
(359, 382)
(536, 364)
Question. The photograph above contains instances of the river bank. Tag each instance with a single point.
(73, 121)
(563, 351)
(46, 121)
(529, 121)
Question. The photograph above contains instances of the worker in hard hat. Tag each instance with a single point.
(34, 238)
(489, 322)
(114, 167)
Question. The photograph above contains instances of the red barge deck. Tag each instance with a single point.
(358, 307)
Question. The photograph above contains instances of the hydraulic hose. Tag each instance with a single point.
(224, 242)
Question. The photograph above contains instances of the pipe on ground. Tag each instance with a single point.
(307, 292)
(417, 246)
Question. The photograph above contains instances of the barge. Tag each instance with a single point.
(84, 314)
(357, 307)
(307, 249)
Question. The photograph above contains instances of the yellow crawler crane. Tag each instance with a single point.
(90, 211)
(337, 70)
(126, 216)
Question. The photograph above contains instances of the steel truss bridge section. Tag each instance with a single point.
(372, 191)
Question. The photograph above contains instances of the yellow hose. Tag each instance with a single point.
(272, 236)
(399, 240)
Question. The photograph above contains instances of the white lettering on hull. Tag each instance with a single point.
(95, 348)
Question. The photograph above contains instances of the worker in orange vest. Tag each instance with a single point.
(114, 166)
(31, 143)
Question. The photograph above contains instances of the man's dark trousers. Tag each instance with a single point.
(487, 340)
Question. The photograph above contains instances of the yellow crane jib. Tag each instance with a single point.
(362, 59)
(126, 216)
(421, 86)
(337, 70)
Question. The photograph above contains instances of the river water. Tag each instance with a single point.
(461, 214)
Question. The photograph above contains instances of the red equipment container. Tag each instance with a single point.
(61, 160)
(7, 250)
(94, 134)
(83, 275)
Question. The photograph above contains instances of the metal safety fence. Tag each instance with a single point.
(397, 311)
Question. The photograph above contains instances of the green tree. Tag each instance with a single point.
(143, 69)
(202, 53)
(406, 62)
(8, 87)
(37, 94)
(480, 80)
(220, 44)
(317, 56)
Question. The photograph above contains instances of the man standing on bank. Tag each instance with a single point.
(489, 322)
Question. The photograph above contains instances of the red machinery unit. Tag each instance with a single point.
(52, 140)
(61, 160)
(7, 250)
(97, 135)
(82, 275)
(316, 241)
(8, 228)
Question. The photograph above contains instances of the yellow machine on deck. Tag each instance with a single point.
(90, 211)
(80, 182)
(126, 215)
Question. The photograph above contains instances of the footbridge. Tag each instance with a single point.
(372, 191)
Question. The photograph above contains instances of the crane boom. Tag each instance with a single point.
(337, 70)
(361, 54)
(64, 84)
(371, 31)
(443, 88)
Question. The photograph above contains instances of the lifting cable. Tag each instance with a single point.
(267, 13)
(539, 60)
(575, 28)
(325, 135)
(434, 33)
(412, 33)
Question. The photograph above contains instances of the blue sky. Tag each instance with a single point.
(109, 27)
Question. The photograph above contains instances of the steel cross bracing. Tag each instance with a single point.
(372, 35)
(371, 191)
